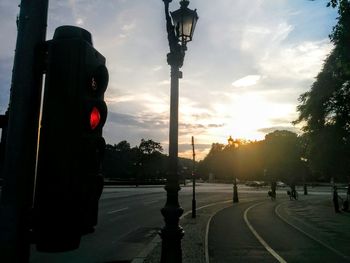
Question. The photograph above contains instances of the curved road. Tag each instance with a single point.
(257, 232)
(129, 218)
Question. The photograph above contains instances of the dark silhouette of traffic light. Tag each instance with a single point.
(71, 147)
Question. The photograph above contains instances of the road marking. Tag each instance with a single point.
(150, 202)
(119, 210)
(308, 235)
(206, 240)
(260, 239)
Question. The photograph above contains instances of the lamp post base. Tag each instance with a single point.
(235, 192)
(171, 234)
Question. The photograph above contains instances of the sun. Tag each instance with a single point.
(249, 113)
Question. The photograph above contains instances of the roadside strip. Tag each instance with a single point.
(307, 234)
(156, 240)
(206, 241)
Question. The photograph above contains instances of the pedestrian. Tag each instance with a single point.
(293, 194)
(273, 190)
(336, 200)
(346, 202)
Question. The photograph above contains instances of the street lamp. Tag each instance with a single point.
(193, 181)
(179, 33)
(185, 21)
(304, 160)
(233, 143)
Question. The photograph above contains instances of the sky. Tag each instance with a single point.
(243, 72)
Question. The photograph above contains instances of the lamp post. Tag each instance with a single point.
(193, 181)
(304, 160)
(233, 144)
(179, 33)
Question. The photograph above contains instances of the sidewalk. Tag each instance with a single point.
(315, 215)
(312, 214)
(193, 243)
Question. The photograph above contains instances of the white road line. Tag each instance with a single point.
(308, 235)
(260, 239)
(205, 206)
(150, 202)
(206, 240)
(119, 210)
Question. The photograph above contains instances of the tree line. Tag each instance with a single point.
(279, 157)
(140, 164)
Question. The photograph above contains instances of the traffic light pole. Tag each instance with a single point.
(21, 142)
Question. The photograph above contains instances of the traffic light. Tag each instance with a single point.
(71, 146)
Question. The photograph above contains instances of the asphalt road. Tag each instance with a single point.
(129, 218)
(254, 232)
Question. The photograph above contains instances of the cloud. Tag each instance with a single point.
(247, 81)
(212, 125)
(139, 121)
(201, 150)
(296, 62)
(256, 37)
(269, 51)
(280, 128)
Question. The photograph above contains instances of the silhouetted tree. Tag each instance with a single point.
(325, 108)
(282, 155)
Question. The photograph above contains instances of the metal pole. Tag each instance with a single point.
(194, 181)
(235, 191)
(21, 141)
(172, 233)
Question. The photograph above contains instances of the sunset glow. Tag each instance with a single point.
(242, 74)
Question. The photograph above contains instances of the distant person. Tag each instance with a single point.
(293, 194)
(336, 200)
(346, 202)
(272, 193)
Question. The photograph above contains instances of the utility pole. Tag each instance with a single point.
(22, 134)
(193, 181)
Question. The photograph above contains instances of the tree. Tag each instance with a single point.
(151, 162)
(139, 163)
(149, 147)
(282, 151)
(325, 109)
(213, 162)
(123, 146)
(239, 159)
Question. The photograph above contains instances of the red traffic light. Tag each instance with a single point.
(95, 115)
(95, 118)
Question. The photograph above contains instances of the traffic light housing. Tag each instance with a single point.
(71, 146)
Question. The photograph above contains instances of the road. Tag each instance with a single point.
(259, 231)
(129, 218)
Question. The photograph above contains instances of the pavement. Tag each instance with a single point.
(312, 217)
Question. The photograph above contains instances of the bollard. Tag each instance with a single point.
(235, 191)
